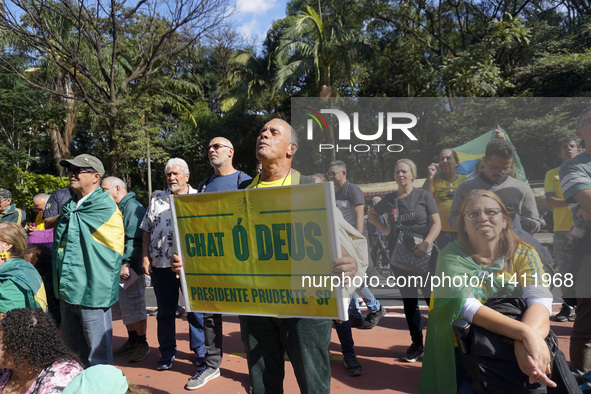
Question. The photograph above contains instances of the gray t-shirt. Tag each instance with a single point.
(412, 211)
(348, 197)
(513, 193)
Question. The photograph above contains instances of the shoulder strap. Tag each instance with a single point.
(239, 179)
(201, 188)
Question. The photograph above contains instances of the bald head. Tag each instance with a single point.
(220, 152)
(39, 202)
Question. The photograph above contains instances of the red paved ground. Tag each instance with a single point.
(379, 351)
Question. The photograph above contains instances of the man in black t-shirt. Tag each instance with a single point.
(54, 205)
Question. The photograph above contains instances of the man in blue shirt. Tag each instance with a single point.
(220, 152)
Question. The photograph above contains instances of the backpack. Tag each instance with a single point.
(489, 359)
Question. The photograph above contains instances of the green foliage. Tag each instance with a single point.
(25, 185)
(160, 86)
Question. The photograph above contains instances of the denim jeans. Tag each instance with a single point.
(372, 303)
(166, 288)
(345, 335)
(88, 332)
(266, 339)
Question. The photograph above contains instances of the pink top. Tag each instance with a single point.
(51, 380)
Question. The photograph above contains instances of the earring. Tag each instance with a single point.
(4, 255)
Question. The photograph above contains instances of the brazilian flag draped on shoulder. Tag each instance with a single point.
(87, 251)
(471, 152)
(438, 373)
(25, 277)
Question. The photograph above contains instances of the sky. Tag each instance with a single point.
(253, 18)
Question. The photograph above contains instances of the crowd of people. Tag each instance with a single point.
(85, 259)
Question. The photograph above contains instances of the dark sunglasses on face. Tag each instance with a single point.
(77, 171)
(216, 146)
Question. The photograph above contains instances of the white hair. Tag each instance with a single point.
(113, 180)
(177, 162)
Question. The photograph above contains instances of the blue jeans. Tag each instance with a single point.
(345, 335)
(373, 305)
(88, 332)
(166, 288)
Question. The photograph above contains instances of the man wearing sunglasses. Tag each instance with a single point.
(8, 211)
(87, 253)
(220, 152)
(515, 194)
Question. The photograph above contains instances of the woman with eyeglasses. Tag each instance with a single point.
(413, 226)
(21, 285)
(489, 251)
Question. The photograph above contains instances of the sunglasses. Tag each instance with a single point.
(78, 171)
(332, 173)
(217, 146)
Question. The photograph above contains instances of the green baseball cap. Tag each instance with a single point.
(85, 161)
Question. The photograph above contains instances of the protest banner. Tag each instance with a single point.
(246, 252)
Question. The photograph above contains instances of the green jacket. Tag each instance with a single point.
(14, 215)
(87, 251)
(133, 213)
(20, 286)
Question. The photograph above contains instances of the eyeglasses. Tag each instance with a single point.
(78, 171)
(488, 212)
(332, 173)
(217, 146)
(501, 170)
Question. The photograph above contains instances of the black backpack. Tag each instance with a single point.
(489, 359)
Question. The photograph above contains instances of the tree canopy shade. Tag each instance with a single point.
(117, 78)
(111, 52)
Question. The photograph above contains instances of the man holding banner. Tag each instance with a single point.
(157, 250)
(220, 152)
(255, 253)
(267, 338)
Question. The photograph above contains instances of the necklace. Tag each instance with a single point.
(282, 183)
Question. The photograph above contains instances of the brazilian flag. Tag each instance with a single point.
(471, 152)
(88, 242)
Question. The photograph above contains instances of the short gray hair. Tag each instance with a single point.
(113, 180)
(177, 162)
(339, 164)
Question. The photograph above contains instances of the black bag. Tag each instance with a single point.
(489, 359)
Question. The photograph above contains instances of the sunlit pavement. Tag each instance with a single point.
(379, 351)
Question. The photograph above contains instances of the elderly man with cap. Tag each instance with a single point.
(9, 211)
(87, 254)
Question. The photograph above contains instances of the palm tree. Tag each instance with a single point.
(316, 46)
(250, 77)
